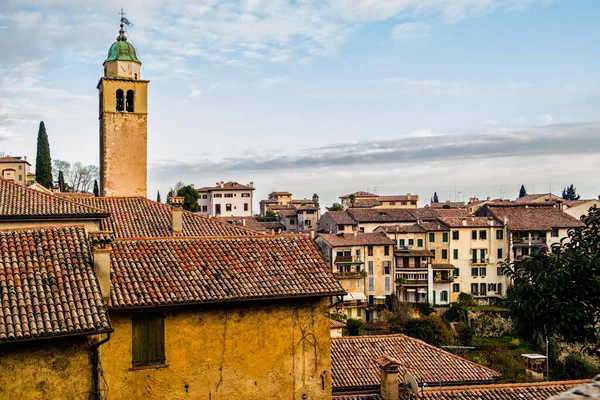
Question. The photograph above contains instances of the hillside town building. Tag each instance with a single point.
(16, 169)
(227, 199)
(363, 199)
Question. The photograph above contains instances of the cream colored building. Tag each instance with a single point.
(370, 200)
(15, 169)
(226, 199)
(579, 208)
(364, 265)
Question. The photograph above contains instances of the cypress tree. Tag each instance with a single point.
(96, 189)
(43, 166)
(158, 199)
(61, 181)
(435, 198)
(522, 192)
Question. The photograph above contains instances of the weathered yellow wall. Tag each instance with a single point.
(253, 351)
(47, 369)
(123, 140)
(87, 225)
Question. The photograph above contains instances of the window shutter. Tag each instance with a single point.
(139, 354)
(156, 335)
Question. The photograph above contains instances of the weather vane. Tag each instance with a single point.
(124, 21)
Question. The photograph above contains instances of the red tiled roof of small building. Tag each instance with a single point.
(353, 362)
(340, 217)
(365, 203)
(138, 217)
(382, 215)
(175, 271)
(470, 222)
(225, 186)
(400, 197)
(508, 391)
(359, 194)
(532, 217)
(48, 286)
(360, 239)
(247, 222)
(20, 202)
(449, 204)
(333, 324)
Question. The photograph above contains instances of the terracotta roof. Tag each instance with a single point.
(272, 225)
(280, 193)
(430, 214)
(539, 197)
(353, 362)
(48, 286)
(247, 222)
(451, 204)
(589, 390)
(413, 253)
(340, 217)
(414, 228)
(573, 203)
(226, 186)
(382, 215)
(532, 218)
(302, 201)
(153, 272)
(19, 202)
(366, 203)
(10, 159)
(359, 194)
(333, 324)
(361, 239)
(442, 266)
(508, 391)
(288, 212)
(132, 217)
(401, 197)
(472, 222)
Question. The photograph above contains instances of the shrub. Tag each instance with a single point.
(430, 329)
(424, 309)
(466, 300)
(354, 326)
(576, 367)
(455, 313)
(465, 334)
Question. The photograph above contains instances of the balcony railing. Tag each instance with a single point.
(350, 274)
(448, 279)
(347, 259)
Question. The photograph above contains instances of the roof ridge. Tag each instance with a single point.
(40, 227)
(512, 385)
(266, 236)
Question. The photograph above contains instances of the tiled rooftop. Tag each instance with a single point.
(20, 202)
(225, 186)
(382, 215)
(353, 362)
(48, 286)
(531, 217)
(132, 217)
(470, 222)
(340, 217)
(247, 222)
(152, 272)
(360, 239)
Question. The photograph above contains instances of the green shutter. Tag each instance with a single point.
(420, 242)
(455, 254)
(474, 254)
(401, 242)
(139, 350)
(156, 338)
(432, 237)
(445, 237)
(444, 254)
(148, 339)
(411, 242)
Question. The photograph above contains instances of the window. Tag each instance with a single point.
(120, 101)
(359, 312)
(413, 203)
(401, 242)
(217, 195)
(129, 101)
(228, 207)
(499, 291)
(554, 233)
(444, 254)
(371, 284)
(491, 287)
(245, 194)
(204, 208)
(362, 229)
(204, 196)
(358, 284)
(370, 250)
(474, 256)
(474, 235)
(482, 235)
(217, 209)
(420, 242)
(349, 313)
(499, 271)
(482, 255)
(445, 237)
(245, 206)
(455, 235)
(474, 290)
(482, 289)
(370, 266)
(499, 254)
(483, 271)
(432, 237)
(349, 284)
(386, 250)
(455, 287)
(499, 234)
(392, 203)
(20, 177)
(387, 283)
(230, 195)
(148, 339)
(307, 222)
(444, 295)
(20, 167)
(387, 267)
(456, 272)
(357, 252)
(432, 253)
(455, 254)
(474, 271)
(411, 242)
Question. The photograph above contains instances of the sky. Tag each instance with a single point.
(461, 97)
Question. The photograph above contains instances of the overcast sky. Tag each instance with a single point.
(462, 97)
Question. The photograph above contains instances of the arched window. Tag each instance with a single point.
(129, 101)
(120, 101)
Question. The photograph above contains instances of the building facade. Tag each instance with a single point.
(15, 169)
(227, 199)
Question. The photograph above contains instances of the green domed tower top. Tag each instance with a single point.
(121, 50)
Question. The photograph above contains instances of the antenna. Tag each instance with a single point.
(414, 387)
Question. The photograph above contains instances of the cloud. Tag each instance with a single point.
(420, 147)
(272, 81)
(517, 85)
(546, 119)
(411, 30)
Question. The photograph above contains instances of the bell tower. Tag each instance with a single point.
(123, 122)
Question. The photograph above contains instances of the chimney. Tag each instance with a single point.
(24, 158)
(251, 184)
(177, 215)
(312, 234)
(389, 377)
(355, 230)
(489, 198)
(408, 196)
(243, 221)
(101, 248)
(464, 222)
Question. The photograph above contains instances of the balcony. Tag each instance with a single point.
(348, 260)
(350, 274)
(443, 279)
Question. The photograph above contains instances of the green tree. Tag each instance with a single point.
(43, 165)
(577, 367)
(96, 189)
(158, 199)
(269, 216)
(190, 195)
(555, 291)
(522, 192)
(354, 326)
(429, 329)
(315, 199)
(569, 193)
(352, 199)
(435, 198)
(61, 182)
(466, 299)
(335, 207)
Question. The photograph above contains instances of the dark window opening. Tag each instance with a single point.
(129, 101)
(120, 101)
(148, 339)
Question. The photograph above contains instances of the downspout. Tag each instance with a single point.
(97, 373)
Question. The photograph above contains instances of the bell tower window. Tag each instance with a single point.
(120, 101)
(129, 101)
